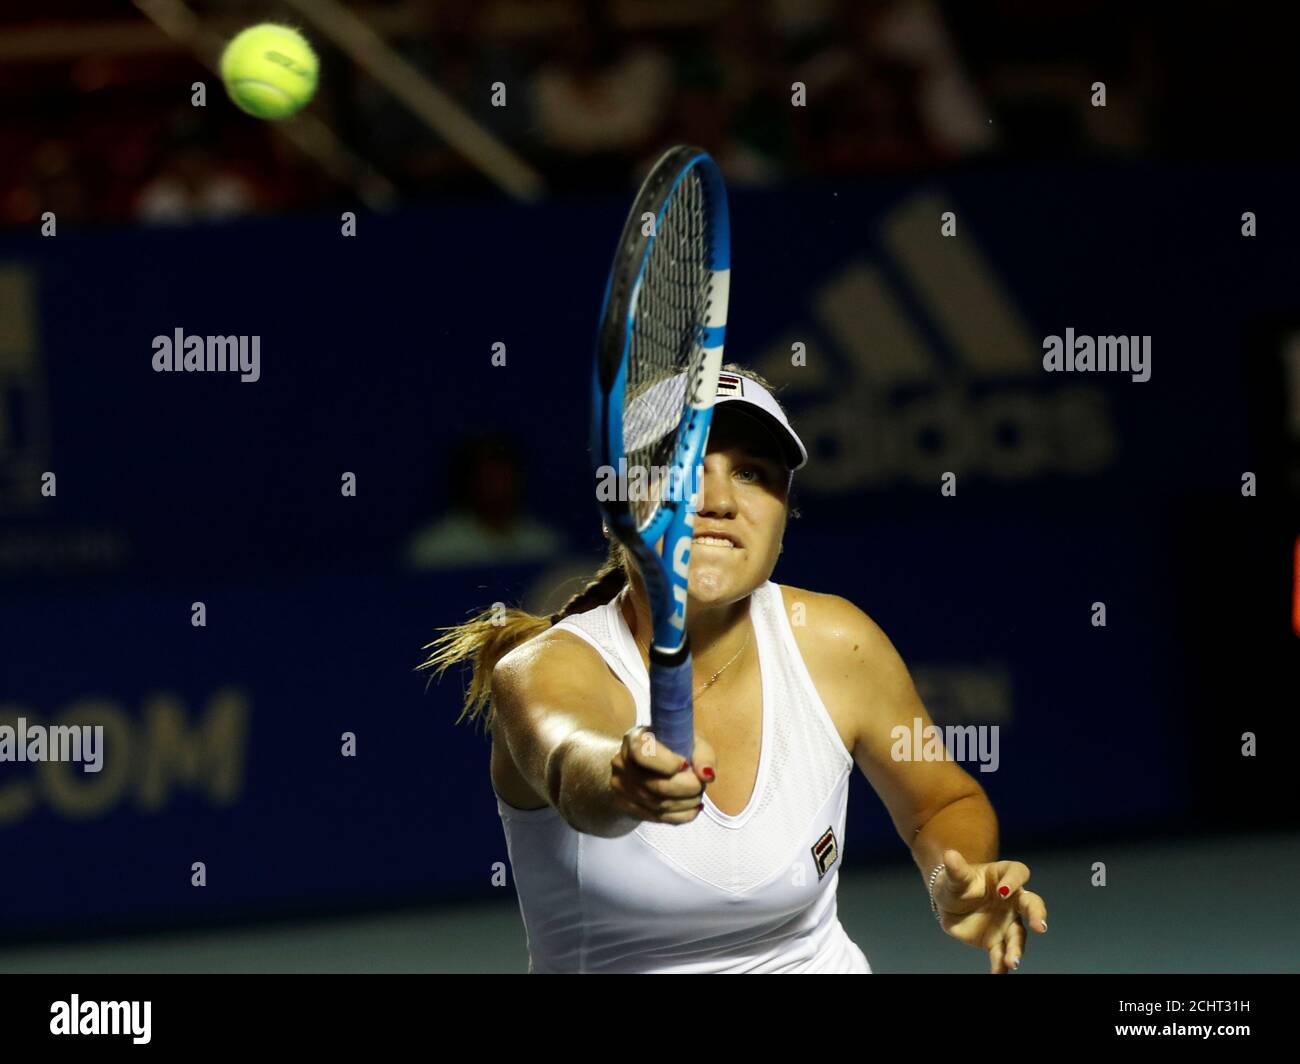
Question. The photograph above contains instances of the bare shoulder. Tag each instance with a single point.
(549, 652)
(832, 630)
(540, 690)
(557, 680)
(853, 665)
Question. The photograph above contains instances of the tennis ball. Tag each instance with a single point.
(269, 70)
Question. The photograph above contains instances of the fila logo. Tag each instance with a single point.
(825, 852)
(728, 384)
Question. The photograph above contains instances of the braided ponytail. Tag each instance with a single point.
(489, 635)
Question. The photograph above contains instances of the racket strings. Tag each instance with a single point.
(672, 306)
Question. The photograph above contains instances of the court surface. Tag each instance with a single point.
(1214, 905)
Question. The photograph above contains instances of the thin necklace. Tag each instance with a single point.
(712, 679)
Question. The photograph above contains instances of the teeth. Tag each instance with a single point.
(714, 541)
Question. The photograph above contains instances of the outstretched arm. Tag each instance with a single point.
(938, 808)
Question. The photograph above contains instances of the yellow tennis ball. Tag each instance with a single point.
(269, 70)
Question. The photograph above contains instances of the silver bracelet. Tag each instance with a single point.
(933, 907)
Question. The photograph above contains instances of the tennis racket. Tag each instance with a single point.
(658, 351)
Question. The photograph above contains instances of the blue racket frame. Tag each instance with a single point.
(665, 571)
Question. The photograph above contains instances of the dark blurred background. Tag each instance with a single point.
(97, 127)
(441, 357)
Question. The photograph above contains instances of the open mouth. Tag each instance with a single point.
(715, 539)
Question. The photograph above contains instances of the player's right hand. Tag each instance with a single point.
(651, 782)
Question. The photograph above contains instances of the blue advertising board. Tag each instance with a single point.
(904, 354)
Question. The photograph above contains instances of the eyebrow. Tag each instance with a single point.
(761, 445)
(764, 456)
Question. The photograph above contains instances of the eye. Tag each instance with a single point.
(752, 474)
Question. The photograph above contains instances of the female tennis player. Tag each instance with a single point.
(630, 858)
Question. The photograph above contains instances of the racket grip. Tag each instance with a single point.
(672, 709)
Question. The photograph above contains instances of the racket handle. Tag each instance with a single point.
(672, 709)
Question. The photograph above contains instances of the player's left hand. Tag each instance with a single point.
(983, 905)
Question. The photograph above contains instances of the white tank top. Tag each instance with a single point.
(753, 892)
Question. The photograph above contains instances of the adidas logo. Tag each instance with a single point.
(938, 372)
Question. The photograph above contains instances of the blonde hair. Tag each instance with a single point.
(489, 635)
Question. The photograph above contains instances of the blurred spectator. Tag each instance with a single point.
(1036, 65)
(487, 524)
(194, 186)
(885, 89)
(956, 118)
(53, 181)
(453, 48)
(596, 90)
(733, 98)
(603, 97)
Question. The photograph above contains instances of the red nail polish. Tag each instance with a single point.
(1004, 891)
(707, 773)
(699, 807)
(685, 766)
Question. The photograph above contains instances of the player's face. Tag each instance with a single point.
(742, 511)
